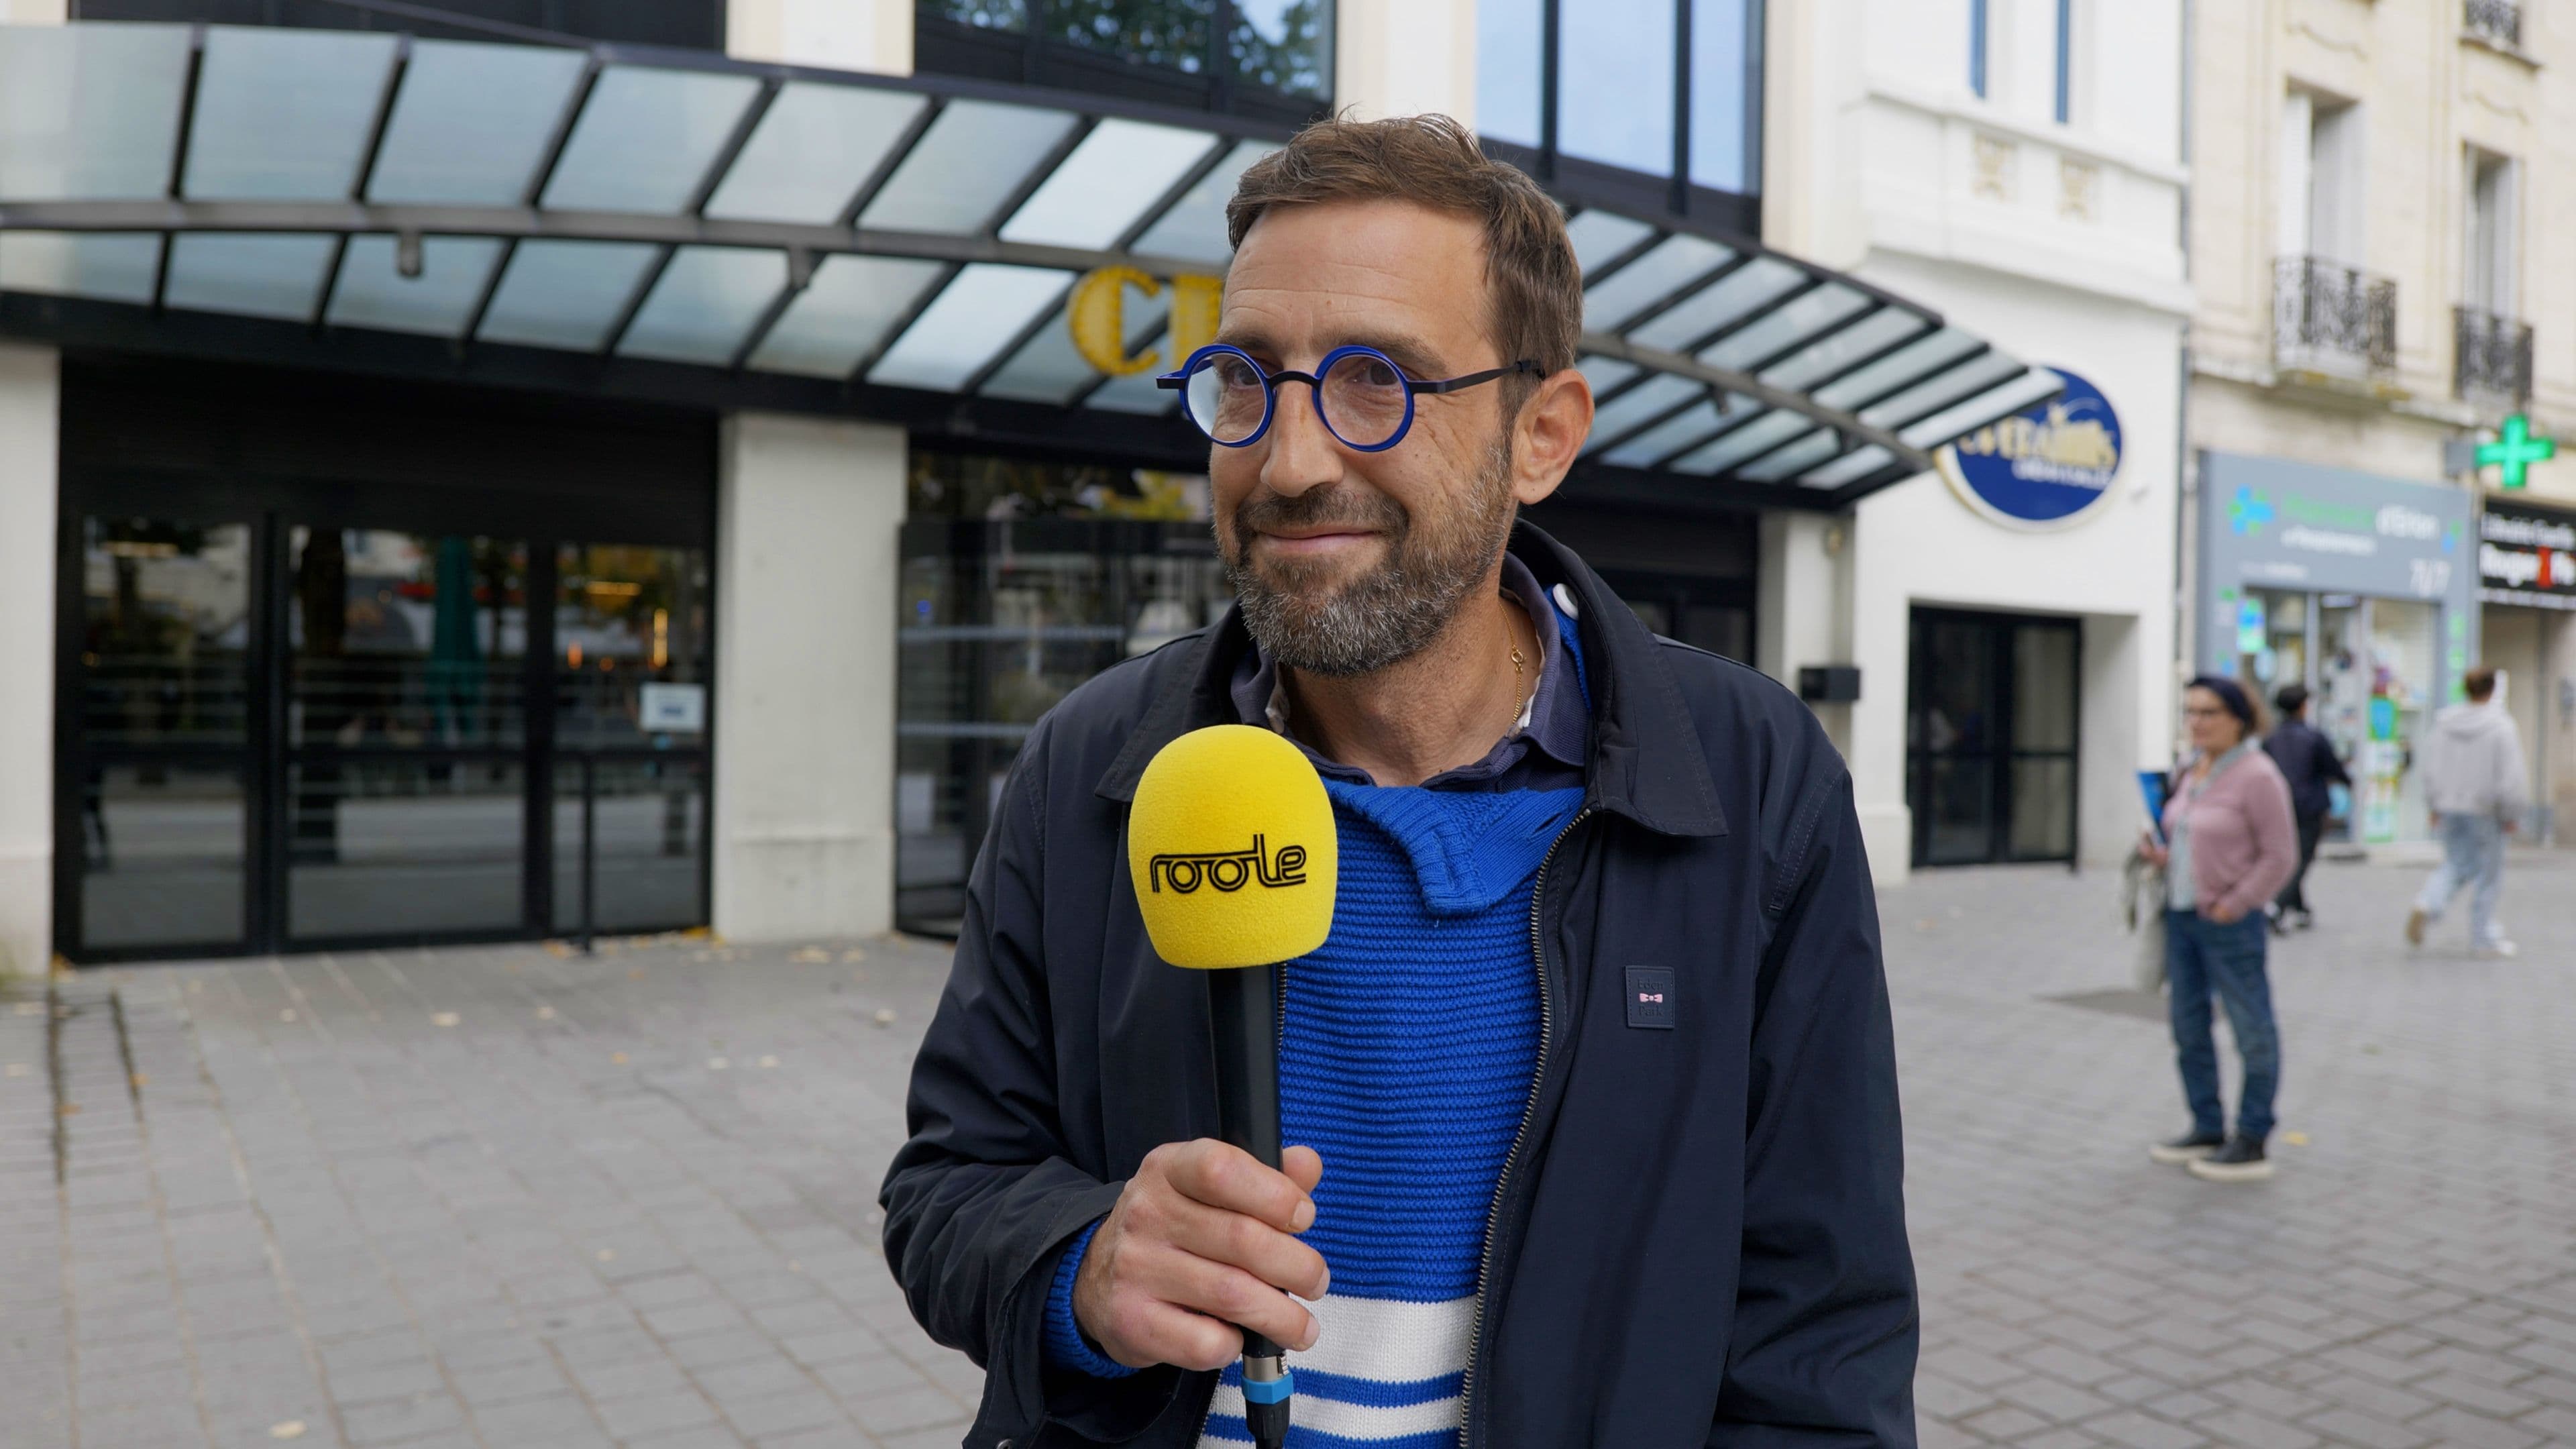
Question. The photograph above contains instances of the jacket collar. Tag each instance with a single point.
(1646, 762)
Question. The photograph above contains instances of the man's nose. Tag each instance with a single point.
(1302, 454)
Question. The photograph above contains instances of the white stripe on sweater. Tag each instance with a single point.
(1387, 1340)
(1350, 1421)
(1380, 1339)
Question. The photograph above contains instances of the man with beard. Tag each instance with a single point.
(1591, 1094)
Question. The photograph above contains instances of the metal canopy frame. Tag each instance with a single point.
(1725, 373)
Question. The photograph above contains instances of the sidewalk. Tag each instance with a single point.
(506, 1197)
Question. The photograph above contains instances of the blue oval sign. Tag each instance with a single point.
(2044, 467)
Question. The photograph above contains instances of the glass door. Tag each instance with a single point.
(1992, 718)
(158, 736)
(406, 734)
(286, 733)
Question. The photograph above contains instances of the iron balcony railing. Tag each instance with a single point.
(2499, 21)
(2330, 316)
(2494, 356)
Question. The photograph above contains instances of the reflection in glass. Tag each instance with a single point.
(396, 847)
(626, 617)
(1001, 620)
(1615, 83)
(1961, 799)
(162, 853)
(405, 640)
(166, 633)
(1284, 45)
(648, 871)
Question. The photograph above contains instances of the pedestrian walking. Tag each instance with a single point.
(2307, 760)
(2475, 788)
(1597, 1057)
(2230, 843)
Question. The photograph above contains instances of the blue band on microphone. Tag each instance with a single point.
(1275, 1391)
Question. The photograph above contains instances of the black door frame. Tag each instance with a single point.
(2001, 753)
(272, 505)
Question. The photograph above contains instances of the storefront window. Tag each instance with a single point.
(1272, 58)
(1021, 580)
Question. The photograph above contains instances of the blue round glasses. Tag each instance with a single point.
(1363, 396)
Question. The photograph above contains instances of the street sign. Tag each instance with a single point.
(2515, 450)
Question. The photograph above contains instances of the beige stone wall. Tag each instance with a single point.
(2428, 92)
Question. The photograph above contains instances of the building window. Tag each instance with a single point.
(690, 24)
(1652, 103)
(1977, 47)
(2065, 58)
(2322, 179)
(1271, 59)
(2491, 234)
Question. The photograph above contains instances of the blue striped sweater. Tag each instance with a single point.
(1410, 1042)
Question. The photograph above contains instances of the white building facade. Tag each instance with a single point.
(2019, 166)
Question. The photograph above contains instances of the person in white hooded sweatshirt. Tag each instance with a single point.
(2474, 787)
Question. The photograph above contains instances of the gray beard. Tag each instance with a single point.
(1392, 612)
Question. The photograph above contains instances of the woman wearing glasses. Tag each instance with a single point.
(2229, 844)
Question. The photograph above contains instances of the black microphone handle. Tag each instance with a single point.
(1243, 1007)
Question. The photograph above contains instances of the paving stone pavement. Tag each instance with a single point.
(515, 1197)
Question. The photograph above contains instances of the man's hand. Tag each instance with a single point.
(1199, 1243)
(2225, 914)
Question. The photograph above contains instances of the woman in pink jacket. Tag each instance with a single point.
(2230, 844)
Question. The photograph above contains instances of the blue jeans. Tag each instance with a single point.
(2472, 855)
(2202, 956)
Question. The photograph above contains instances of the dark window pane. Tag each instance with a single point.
(1507, 69)
(162, 852)
(165, 632)
(392, 847)
(1012, 15)
(1961, 797)
(1615, 83)
(1726, 97)
(404, 640)
(1168, 34)
(2044, 688)
(2043, 809)
(1284, 45)
(1720, 629)
(649, 870)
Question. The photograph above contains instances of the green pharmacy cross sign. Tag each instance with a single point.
(2516, 450)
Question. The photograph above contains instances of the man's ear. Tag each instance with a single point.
(1549, 434)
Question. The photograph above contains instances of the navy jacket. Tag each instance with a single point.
(2307, 761)
(1700, 1239)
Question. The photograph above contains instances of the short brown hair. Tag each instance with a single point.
(2480, 682)
(1534, 287)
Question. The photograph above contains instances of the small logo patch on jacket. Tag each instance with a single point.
(1650, 997)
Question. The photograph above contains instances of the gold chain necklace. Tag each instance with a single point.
(1520, 703)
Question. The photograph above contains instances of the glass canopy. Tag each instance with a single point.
(921, 235)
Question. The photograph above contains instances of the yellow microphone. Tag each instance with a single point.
(1233, 854)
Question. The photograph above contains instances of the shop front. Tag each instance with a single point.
(496, 489)
(2526, 597)
(2360, 588)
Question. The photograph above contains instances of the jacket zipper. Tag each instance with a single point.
(1529, 1110)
